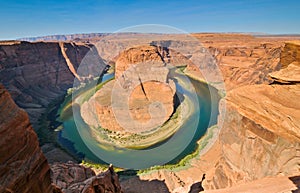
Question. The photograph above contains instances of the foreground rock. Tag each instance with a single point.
(23, 167)
(74, 178)
(265, 185)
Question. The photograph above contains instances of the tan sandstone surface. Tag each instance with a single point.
(141, 97)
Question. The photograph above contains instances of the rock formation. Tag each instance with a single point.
(242, 59)
(290, 54)
(23, 167)
(141, 97)
(290, 62)
(265, 185)
(75, 178)
(260, 136)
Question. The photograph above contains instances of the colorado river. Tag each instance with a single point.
(76, 137)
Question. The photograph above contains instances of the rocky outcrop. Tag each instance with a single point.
(290, 54)
(290, 62)
(260, 132)
(23, 167)
(138, 55)
(141, 97)
(288, 75)
(74, 178)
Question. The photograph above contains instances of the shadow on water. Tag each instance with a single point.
(79, 142)
(208, 103)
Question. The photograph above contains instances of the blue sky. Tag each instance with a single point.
(29, 18)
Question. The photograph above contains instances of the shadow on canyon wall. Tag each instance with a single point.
(296, 181)
(197, 187)
(133, 184)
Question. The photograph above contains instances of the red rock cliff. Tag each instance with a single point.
(23, 167)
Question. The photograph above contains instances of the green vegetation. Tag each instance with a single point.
(97, 166)
(185, 162)
(147, 139)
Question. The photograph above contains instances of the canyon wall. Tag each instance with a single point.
(23, 167)
(261, 132)
(37, 73)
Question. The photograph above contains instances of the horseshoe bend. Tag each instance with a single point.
(212, 112)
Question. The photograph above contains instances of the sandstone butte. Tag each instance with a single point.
(258, 146)
(143, 93)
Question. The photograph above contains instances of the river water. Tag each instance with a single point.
(204, 99)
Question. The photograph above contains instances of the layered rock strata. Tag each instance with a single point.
(37, 73)
(260, 135)
(23, 167)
